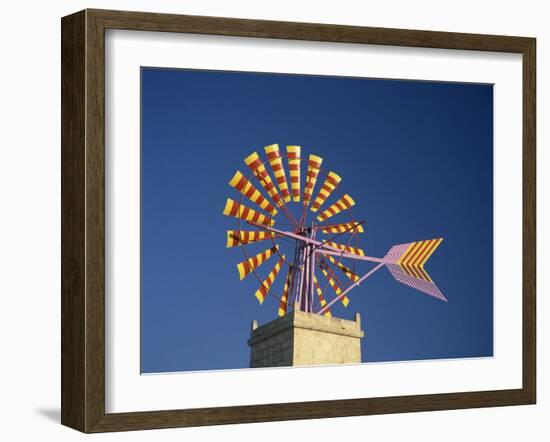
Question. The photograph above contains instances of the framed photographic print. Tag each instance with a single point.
(269, 220)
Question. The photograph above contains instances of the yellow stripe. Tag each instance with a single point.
(420, 256)
(240, 268)
(228, 206)
(294, 149)
(415, 253)
(349, 199)
(236, 178)
(425, 259)
(401, 261)
(251, 158)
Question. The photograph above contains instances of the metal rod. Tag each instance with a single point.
(341, 295)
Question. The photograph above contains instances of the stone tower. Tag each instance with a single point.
(301, 338)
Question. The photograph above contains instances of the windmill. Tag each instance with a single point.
(309, 234)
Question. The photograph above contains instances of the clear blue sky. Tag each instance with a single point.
(416, 156)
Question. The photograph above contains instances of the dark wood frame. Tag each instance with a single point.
(83, 217)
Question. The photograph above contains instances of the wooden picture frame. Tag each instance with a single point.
(83, 220)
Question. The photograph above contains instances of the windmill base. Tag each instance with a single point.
(301, 338)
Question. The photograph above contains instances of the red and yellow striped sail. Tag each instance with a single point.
(252, 263)
(345, 269)
(332, 282)
(276, 161)
(239, 237)
(246, 188)
(351, 227)
(284, 299)
(293, 153)
(331, 182)
(255, 164)
(236, 210)
(415, 256)
(322, 299)
(313, 169)
(349, 249)
(264, 289)
(342, 204)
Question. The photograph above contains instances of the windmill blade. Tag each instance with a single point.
(335, 286)
(293, 153)
(322, 299)
(275, 160)
(349, 249)
(351, 227)
(239, 237)
(264, 289)
(342, 204)
(236, 210)
(331, 182)
(406, 264)
(246, 188)
(252, 263)
(255, 164)
(313, 169)
(283, 305)
(345, 269)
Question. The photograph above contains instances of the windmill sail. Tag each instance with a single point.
(264, 289)
(335, 286)
(236, 210)
(255, 164)
(407, 265)
(276, 163)
(349, 249)
(252, 263)
(351, 227)
(313, 169)
(342, 204)
(294, 159)
(331, 182)
(345, 269)
(238, 237)
(246, 188)
(284, 298)
(322, 299)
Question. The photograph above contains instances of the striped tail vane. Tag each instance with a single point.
(264, 289)
(237, 210)
(246, 267)
(247, 189)
(406, 264)
(293, 154)
(331, 182)
(322, 299)
(255, 164)
(342, 204)
(276, 163)
(313, 169)
(239, 237)
(284, 298)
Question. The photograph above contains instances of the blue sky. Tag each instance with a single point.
(416, 156)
